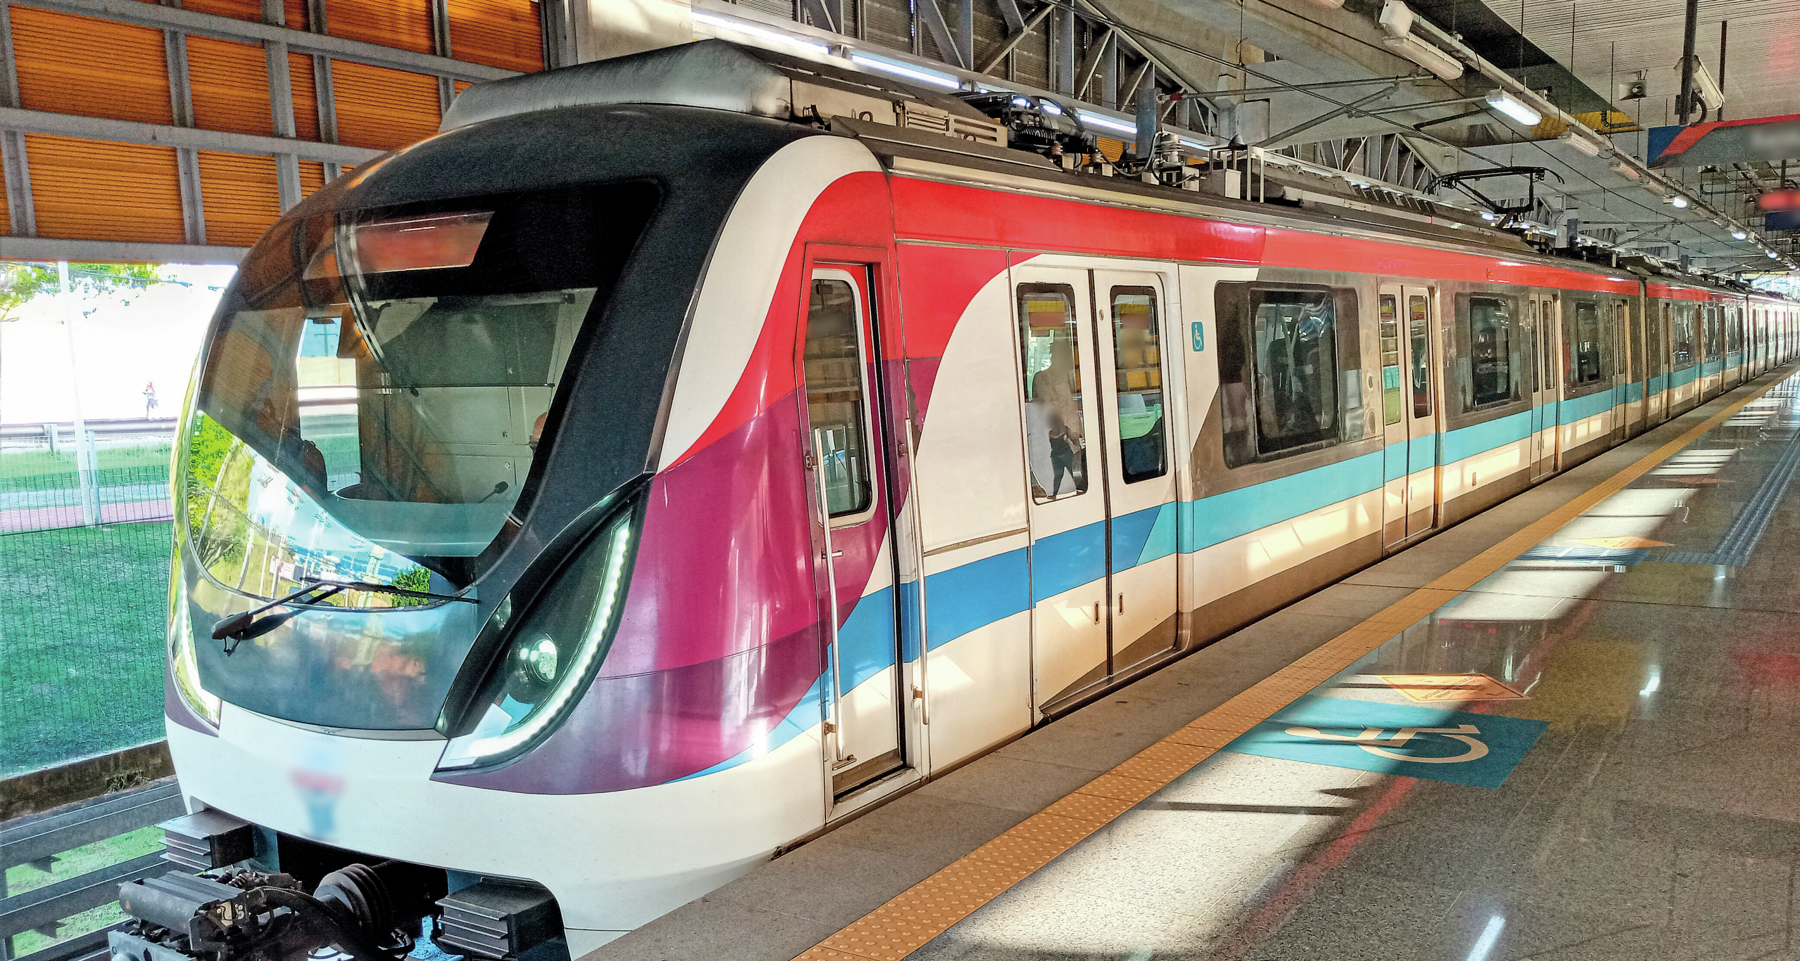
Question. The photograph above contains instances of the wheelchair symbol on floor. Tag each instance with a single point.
(1372, 740)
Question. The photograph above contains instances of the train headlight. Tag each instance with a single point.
(552, 654)
(181, 648)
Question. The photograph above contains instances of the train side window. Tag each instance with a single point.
(1715, 346)
(1290, 369)
(1734, 331)
(835, 394)
(1681, 339)
(1585, 346)
(1488, 327)
(1418, 325)
(1137, 374)
(1050, 364)
(1295, 359)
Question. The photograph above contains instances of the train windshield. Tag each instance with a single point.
(375, 392)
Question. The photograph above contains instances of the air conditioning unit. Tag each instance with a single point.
(917, 116)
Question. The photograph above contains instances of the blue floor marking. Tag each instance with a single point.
(1423, 742)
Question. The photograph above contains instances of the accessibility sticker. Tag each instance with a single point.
(1411, 740)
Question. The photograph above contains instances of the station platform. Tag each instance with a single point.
(1563, 729)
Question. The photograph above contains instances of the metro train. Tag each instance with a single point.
(680, 454)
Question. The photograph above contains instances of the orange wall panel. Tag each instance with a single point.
(91, 189)
(95, 68)
(392, 23)
(230, 85)
(499, 33)
(239, 195)
(312, 177)
(235, 9)
(382, 108)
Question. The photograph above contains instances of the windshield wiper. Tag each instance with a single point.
(248, 624)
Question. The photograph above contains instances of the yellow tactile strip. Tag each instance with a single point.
(929, 908)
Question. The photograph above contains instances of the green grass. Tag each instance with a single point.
(69, 864)
(81, 642)
(122, 463)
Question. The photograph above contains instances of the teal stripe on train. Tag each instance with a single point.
(1221, 517)
(1687, 376)
(1481, 438)
(1581, 408)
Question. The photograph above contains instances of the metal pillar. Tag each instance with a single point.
(1684, 101)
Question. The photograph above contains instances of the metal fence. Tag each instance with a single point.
(84, 570)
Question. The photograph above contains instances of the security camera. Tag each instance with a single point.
(1705, 87)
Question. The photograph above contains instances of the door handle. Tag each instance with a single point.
(1121, 604)
(1096, 612)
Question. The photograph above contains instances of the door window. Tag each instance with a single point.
(1587, 343)
(835, 394)
(1137, 368)
(1490, 352)
(1391, 399)
(1050, 362)
(1295, 338)
(1418, 319)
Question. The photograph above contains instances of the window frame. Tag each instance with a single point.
(1117, 434)
(1234, 314)
(1572, 337)
(1073, 325)
(1464, 333)
(864, 318)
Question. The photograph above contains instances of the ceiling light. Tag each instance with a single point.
(1739, 235)
(762, 33)
(906, 71)
(1583, 144)
(1627, 171)
(1772, 255)
(1513, 107)
(1489, 216)
(1108, 123)
(1444, 66)
(1021, 102)
(1050, 107)
(1679, 201)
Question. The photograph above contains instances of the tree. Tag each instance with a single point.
(19, 283)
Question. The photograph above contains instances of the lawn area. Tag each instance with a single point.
(81, 641)
(71, 864)
(37, 469)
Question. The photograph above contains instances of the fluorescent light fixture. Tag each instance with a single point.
(1627, 171)
(1679, 202)
(1107, 123)
(1021, 101)
(1396, 18)
(1739, 235)
(1513, 107)
(1050, 107)
(760, 32)
(1772, 254)
(1490, 935)
(1425, 55)
(1489, 216)
(1580, 143)
(906, 71)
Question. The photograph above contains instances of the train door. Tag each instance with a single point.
(1622, 369)
(1064, 450)
(853, 552)
(1421, 414)
(1637, 410)
(1543, 394)
(1409, 411)
(1550, 353)
(1129, 310)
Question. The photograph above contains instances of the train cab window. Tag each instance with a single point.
(1418, 325)
(1137, 378)
(835, 396)
(1050, 362)
(1488, 335)
(1681, 337)
(1584, 346)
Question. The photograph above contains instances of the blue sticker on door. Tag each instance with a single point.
(1423, 742)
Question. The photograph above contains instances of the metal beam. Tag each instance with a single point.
(1063, 50)
(932, 17)
(1012, 42)
(115, 251)
(1328, 115)
(226, 28)
(1091, 63)
(12, 143)
(1128, 92)
(824, 14)
(187, 160)
(440, 45)
(159, 135)
(1015, 19)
